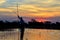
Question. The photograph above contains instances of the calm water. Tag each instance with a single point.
(31, 34)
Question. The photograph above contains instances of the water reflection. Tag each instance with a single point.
(31, 34)
(41, 34)
(10, 35)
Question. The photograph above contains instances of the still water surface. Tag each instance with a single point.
(31, 34)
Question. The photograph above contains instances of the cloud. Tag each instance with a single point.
(35, 8)
(35, 11)
(32, 8)
(5, 10)
(40, 3)
(2, 1)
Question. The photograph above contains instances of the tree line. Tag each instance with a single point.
(32, 24)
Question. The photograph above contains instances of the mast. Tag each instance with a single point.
(17, 10)
(22, 24)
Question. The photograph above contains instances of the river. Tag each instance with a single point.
(31, 34)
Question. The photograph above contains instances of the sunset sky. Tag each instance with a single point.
(37, 9)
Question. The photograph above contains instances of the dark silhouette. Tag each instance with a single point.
(22, 24)
(32, 24)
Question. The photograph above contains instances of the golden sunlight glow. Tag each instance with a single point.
(2, 1)
(5, 10)
(41, 20)
(39, 12)
(33, 11)
(41, 34)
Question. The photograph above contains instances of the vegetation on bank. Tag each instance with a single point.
(31, 24)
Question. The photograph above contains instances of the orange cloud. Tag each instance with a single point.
(5, 10)
(35, 11)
